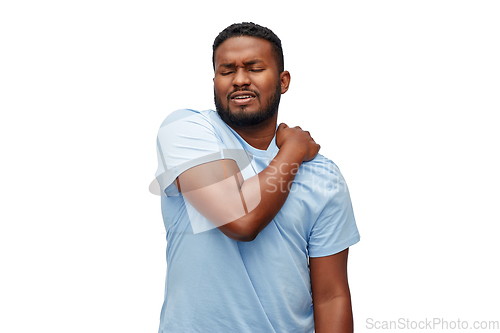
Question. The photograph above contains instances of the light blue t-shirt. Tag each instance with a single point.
(216, 284)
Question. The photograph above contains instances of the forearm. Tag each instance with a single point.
(334, 316)
(268, 191)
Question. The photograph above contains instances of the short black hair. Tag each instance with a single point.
(252, 30)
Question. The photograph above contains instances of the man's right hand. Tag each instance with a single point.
(299, 140)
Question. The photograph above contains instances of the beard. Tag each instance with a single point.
(240, 118)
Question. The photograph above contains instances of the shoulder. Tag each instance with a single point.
(321, 178)
(187, 116)
(190, 124)
(320, 167)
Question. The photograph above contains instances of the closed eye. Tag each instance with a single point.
(256, 70)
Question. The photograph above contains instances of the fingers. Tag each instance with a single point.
(282, 125)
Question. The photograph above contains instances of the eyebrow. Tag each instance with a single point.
(246, 63)
(252, 62)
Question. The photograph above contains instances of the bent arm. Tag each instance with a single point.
(331, 296)
(241, 209)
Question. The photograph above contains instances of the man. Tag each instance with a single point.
(258, 224)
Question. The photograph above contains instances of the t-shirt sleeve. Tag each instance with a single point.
(185, 139)
(335, 228)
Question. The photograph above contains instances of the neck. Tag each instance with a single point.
(259, 136)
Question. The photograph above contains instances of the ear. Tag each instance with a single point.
(285, 81)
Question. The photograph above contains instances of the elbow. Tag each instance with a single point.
(240, 238)
(247, 237)
(239, 231)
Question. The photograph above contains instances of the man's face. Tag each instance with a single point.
(247, 85)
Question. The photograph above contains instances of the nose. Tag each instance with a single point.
(241, 78)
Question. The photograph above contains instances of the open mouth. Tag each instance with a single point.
(242, 97)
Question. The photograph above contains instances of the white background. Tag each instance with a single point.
(402, 95)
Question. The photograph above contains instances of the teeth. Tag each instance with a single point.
(242, 97)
